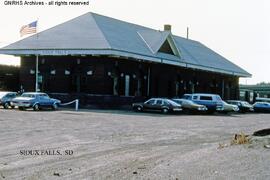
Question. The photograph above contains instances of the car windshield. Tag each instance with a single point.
(28, 95)
(245, 103)
(187, 96)
(172, 102)
(2, 94)
(44, 96)
(219, 98)
(177, 101)
(225, 103)
(189, 102)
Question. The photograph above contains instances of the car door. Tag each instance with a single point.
(267, 107)
(207, 101)
(43, 100)
(149, 105)
(158, 105)
(11, 96)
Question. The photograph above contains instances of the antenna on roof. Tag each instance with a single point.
(187, 32)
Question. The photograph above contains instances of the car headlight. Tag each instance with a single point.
(220, 108)
(201, 108)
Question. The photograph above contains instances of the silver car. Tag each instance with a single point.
(228, 108)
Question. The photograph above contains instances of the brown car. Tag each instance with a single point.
(189, 105)
(158, 104)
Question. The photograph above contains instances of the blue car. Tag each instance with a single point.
(6, 98)
(262, 107)
(35, 100)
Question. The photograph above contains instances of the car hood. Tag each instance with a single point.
(54, 99)
(136, 104)
(248, 106)
(23, 99)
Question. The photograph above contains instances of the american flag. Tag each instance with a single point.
(29, 28)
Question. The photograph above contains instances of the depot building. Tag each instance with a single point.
(94, 56)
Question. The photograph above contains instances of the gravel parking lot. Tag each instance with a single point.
(128, 145)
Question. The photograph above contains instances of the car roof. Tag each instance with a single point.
(6, 92)
(35, 93)
(181, 99)
(262, 102)
(204, 94)
(159, 99)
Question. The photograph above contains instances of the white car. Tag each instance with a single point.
(228, 107)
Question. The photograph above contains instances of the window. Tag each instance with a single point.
(11, 95)
(186, 96)
(151, 101)
(166, 103)
(166, 48)
(195, 97)
(43, 96)
(207, 98)
(159, 102)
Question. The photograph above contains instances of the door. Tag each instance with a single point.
(127, 85)
(149, 105)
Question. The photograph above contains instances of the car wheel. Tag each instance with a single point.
(165, 111)
(21, 108)
(6, 105)
(55, 106)
(36, 107)
(139, 108)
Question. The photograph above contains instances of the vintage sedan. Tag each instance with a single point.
(243, 106)
(35, 100)
(190, 106)
(158, 104)
(6, 98)
(228, 108)
(262, 107)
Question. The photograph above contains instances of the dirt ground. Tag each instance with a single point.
(128, 145)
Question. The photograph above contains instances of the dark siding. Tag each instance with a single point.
(165, 80)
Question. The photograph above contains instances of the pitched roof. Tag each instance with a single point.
(96, 34)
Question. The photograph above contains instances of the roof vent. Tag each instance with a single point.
(167, 27)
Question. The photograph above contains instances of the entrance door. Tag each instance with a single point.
(127, 85)
(78, 83)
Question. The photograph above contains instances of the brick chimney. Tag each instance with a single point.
(167, 27)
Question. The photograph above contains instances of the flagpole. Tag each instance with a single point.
(36, 88)
(36, 72)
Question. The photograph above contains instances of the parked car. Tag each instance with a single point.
(228, 108)
(213, 102)
(158, 104)
(262, 107)
(260, 99)
(35, 100)
(243, 106)
(188, 105)
(6, 98)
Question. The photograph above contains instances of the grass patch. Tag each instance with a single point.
(240, 139)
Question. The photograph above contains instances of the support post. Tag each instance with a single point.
(36, 84)
(148, 81)
(77, 104)
(223, 90)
